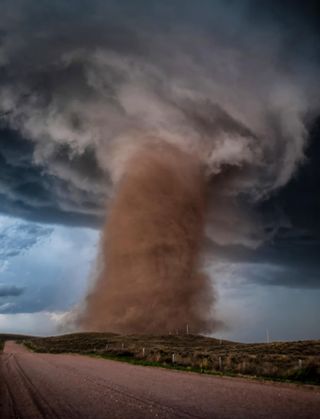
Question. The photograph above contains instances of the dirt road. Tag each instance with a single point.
(73, 386)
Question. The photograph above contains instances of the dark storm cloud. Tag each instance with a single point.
(297, 206)
(234, 82)
(10, 291)
(31, 300)
(294, 217)
(27, 191)
(289, 265)
(46, 54)
(290, 258)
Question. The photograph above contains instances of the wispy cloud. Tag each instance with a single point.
(17, 237)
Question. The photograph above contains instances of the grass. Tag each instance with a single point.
(280, 361)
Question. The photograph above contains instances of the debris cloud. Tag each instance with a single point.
(150, 280)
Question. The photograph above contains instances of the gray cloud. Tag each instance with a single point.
(10, 291)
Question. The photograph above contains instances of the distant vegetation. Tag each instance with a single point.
(294, 361)
(4, 337)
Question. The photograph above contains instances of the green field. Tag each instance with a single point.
(292, 361)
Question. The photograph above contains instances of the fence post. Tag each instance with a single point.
(143, 351)
(173, 358)
(220, 363)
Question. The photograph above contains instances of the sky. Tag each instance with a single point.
(83, 83)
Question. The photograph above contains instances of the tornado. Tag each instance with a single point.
(150, 279)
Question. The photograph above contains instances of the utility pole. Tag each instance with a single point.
(268, 337)
(187, 328)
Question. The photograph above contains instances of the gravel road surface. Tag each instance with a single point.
(74, 386)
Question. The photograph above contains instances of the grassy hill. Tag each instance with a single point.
(294, 361)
